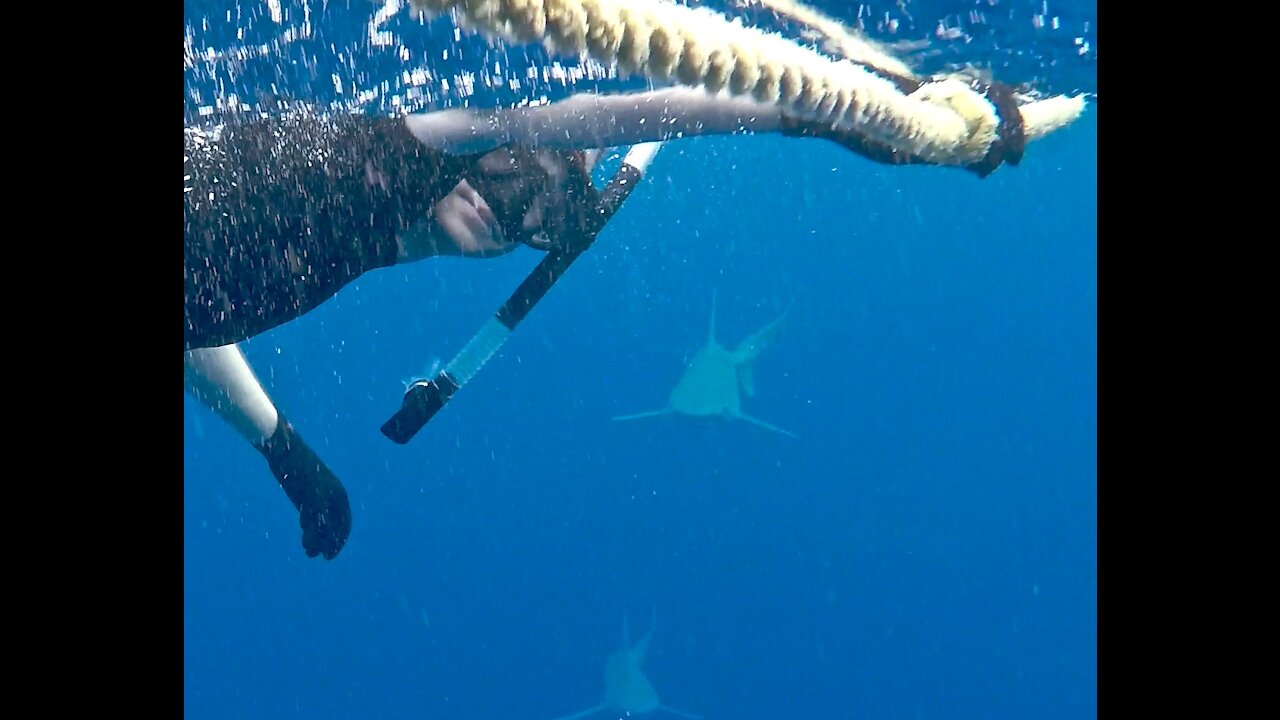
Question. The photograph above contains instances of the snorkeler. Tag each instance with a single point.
(273, 229)
(282, 212)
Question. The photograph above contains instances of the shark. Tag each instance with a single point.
(627, 691)
(716, 379)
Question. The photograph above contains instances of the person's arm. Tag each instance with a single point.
(589, 120)
(221, 379)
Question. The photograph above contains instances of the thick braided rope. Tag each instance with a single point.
(945, 121)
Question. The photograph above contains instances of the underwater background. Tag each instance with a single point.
(926, 548)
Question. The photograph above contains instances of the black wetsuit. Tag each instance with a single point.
(281, 213)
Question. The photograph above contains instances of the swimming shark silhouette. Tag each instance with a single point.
(713, 383)
(626, 689)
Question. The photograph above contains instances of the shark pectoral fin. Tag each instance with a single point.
(681, 713)
(767, 426)
(637, 416)
(747, 379)
(585, 713)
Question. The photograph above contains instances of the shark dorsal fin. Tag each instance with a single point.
(711, 334)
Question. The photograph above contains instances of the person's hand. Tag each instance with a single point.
(1007, 148)
(324, 512)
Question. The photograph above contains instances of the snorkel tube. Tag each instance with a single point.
(424, 398)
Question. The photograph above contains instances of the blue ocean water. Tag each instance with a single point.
(927, 548)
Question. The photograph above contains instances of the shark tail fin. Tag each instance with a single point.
(759, 341)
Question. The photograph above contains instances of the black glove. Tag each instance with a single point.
(1008, 147)
(323, 510)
